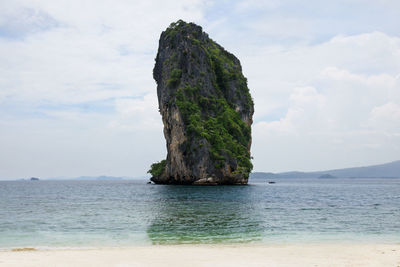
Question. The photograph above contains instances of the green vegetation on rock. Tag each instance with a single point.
(157, 168)
(227, 134)
(173, 81)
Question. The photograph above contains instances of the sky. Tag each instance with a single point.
(77, 95)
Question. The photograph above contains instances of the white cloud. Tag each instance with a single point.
(137, 114)
(372, 80)
(386, 118)
(85, 78)
(92, 54)
(305, 109)
(335, 103)
(76, 82)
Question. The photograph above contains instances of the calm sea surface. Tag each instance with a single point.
(129, 213)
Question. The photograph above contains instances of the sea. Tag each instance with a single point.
(84, 214)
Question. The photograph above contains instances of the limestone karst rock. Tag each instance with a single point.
(206, 109)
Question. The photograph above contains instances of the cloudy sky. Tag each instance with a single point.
(77, 95)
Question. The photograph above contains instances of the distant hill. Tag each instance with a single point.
(107, 178)
(387, 170)
(94, 178)
(98, 178)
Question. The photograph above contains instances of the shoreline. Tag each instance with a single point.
(259, 243)
(332, 254)
(221, 244)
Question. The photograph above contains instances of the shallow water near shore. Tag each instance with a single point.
(129, 213)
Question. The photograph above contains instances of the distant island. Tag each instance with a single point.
(387, 170)
(84, 178)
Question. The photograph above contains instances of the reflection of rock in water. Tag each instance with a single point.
(204, 215)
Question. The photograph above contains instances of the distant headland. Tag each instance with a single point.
(387, 170)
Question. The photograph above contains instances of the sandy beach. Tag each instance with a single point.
(212, 255)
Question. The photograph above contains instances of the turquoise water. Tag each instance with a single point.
(129, 213)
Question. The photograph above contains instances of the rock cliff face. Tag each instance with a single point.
(206, 109)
